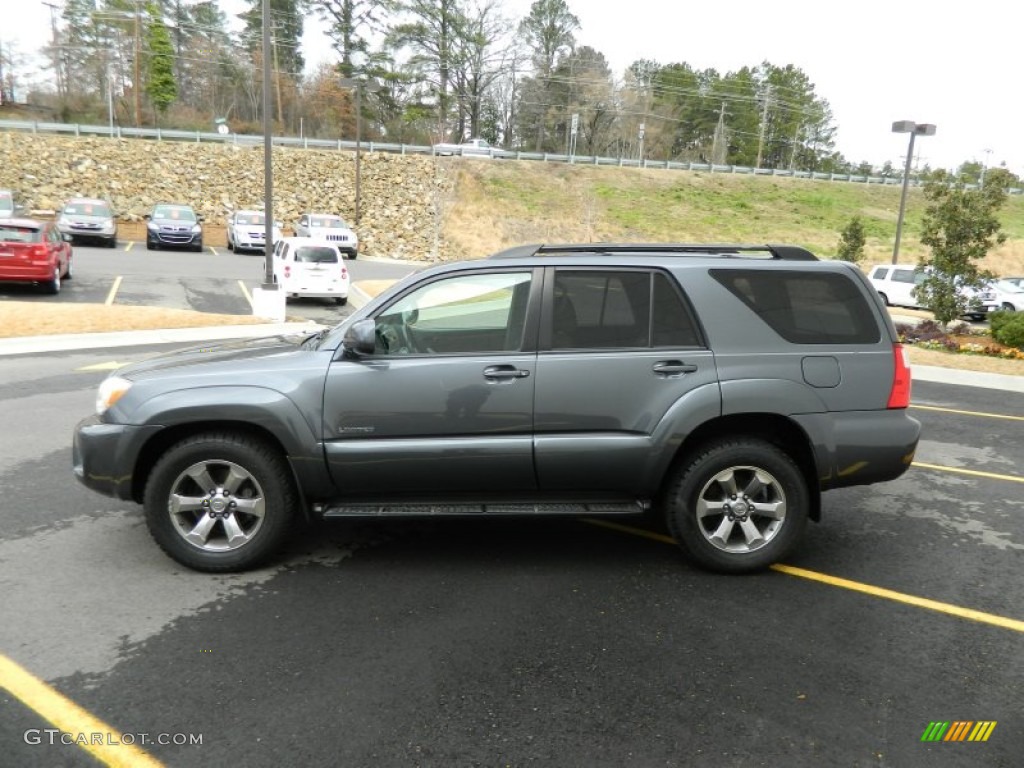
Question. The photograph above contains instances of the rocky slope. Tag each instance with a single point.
(401, 197)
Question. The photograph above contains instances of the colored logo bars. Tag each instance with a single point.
(959, 730)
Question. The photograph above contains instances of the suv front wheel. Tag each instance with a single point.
(220, 502)
(739, 505)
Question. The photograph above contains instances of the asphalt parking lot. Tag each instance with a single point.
(512, 643)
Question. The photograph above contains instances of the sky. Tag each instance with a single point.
(876, 62)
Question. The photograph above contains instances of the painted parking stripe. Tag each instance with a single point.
(113, 291)
(214, 250)
(72, 719)
(981, 414)
(855, 586)
(245, 292)
(128, 246)
(970, 472)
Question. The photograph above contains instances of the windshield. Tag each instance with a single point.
(87, 209)
(6, 203)
(178, 212)
(1007, 287)
(327, 222)
(250, 218)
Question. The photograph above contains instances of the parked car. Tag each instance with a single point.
(1003, 295)
(327, 226)
(311, 268)
(758, 377)
(33, 251)
(895, 284)
(9, 206)
(88, 219)
(174, 226)
(246, 231)
(1015, 280)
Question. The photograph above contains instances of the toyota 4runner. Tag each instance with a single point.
(723, 386)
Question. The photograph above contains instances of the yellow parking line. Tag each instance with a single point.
(968, 413)
(971, 472)
(245, 292)
(212, 249)
(900, 597)
(91, 734)
(113, 291)
(856, 586)
(128, 246)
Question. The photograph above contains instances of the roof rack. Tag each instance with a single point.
(769, 251)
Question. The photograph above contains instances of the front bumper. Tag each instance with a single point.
(104, 456)
(174, 239)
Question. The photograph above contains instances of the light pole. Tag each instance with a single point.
(357, 85)
(988, 154)
(915, 130)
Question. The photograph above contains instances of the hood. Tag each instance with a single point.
(236, 352)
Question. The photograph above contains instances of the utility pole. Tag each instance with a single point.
(719, 134)
(764, 123)
(3, 91)
(56, 50)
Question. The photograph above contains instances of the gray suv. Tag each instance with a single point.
(723, 386)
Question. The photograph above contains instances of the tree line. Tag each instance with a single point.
(433, 70)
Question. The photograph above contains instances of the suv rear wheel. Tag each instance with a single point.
(737, 506)
(220, 502)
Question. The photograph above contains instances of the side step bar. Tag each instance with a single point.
(437, 510)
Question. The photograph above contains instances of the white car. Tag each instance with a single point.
(329, 227)
(895, 284)
(471, 148)
(246, 231)
(312, 268)
(1003, 295)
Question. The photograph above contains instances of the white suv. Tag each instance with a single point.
(305, 267)
(329, 227)
(895, 283)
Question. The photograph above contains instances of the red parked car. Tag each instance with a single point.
(33, 251)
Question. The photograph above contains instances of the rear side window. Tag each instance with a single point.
(598, 309)
(903, 275)
(880, 273)
(311, 254)
(805, 307)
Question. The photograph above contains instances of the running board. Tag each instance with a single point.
(446, 510)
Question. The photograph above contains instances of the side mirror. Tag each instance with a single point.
(361, 337)
(147, 217)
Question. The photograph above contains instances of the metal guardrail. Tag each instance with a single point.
(248, 139)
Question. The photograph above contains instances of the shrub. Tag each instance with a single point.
(1008, 328)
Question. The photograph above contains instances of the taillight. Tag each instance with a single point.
(899, 395)
(344, 273)
(39, 254)
(287, 270)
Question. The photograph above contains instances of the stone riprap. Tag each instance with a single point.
(400, 195)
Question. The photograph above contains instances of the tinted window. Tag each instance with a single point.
(311, 254)
(173, 212)
(802, 307)
(330, 222)
(249, 218)
(880, 273)
(599, 309)
(903, 275)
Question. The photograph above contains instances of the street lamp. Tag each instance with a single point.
(988, 154)
(358, 85)
(915, 130)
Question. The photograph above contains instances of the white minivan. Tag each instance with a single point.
(312, 268)
(895, 283)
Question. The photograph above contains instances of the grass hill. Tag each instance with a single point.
(495, 204)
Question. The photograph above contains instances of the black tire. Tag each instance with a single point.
(1008, 307)
(198, 248)
(71, 268)
(112, 243)
(53, 286)
(265, 488)
(341, 300)
(763, 477)
(885, 299)
(231, 246)
(150, 246)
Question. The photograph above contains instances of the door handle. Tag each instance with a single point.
(673, 367)
(504, 372)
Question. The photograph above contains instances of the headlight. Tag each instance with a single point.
(196, 229)
(108, 225)
(152, 226)
(110, 391)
